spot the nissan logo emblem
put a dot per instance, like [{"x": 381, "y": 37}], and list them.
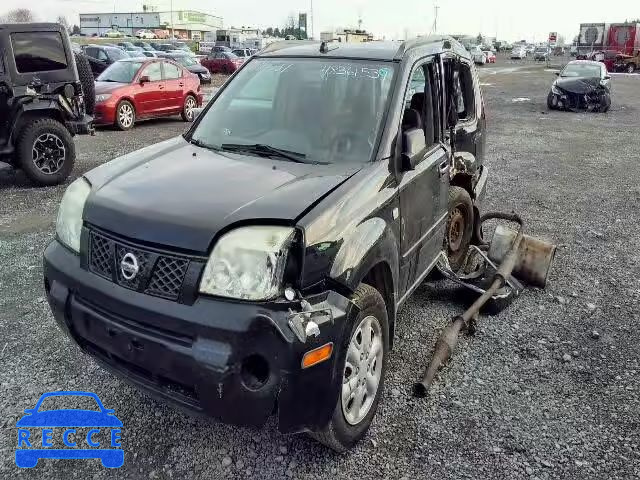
[{"x": 129, "y": 266}]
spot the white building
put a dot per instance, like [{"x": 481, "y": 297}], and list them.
[{"x": 186, "y": 24}]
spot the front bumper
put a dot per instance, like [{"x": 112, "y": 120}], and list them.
[
  {"x": 104, "y": 114},
  {"x": 81, "y": 126},
  {"x": 238, "y": 362}
]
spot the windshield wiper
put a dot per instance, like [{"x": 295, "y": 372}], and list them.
[
  {"x": 263, "y": 149},
  {"x": 201, "y": 144}
]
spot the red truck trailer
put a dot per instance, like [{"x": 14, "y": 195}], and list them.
[
  {"x": 593, "y": 36},
  {"x": 624, "y": 38}
]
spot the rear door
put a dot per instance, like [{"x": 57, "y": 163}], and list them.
[
  {"x": 150, "y": 96},
  {"x": 174, "y": 86},
  {"x": 423, "y": 208}
]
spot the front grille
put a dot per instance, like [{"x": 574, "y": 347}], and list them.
[{"x": 159, "y": 274}]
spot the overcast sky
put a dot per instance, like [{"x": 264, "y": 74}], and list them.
[{"x": 509, "y": 20}]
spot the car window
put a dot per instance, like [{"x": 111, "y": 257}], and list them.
[
  {"x": 101, "y": 55},
  {"x": 38, "y": 51},
  {"x": 122, "y": 72},
  {"x": 230, "y": 55},
  {"x": 69, "y": 402},
  {"x": 330, "y": 110},
  {"x": 421, "y": 103},
  {"x": 466, "y": 94},
  {"x": 172, "y": 71},
  {"x": 115, "y": 54},
  {"x": 153, "y": 71}
]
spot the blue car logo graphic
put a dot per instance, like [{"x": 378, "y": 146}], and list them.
[{"x": 34, "y": 446}]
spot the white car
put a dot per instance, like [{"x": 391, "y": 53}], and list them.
[
  {"x": 145, "y": 34},
  {"x": 518, "y": 52},
  {"x": 478, "y": 56}
]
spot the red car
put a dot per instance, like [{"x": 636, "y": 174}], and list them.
[
  {"x": 222, "y": 62},
  {"x": 491, "y": 57},
  {"x": 139, "y": 88}
]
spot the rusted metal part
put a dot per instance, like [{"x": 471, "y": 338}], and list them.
[
  {"x": 534, "y": 256},
  {"x": 449, "y": 338}
]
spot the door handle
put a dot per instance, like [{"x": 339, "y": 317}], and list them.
[
  {"x": 444, "y": 167},
  {"x": 160, "y": 87},
  {"x": 181, "y": 84}
]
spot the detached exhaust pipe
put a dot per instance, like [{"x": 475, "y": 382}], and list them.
[{"x": 448, "y": 340}]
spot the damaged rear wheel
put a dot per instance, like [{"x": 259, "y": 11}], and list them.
[{"x": 459, "y": 227}]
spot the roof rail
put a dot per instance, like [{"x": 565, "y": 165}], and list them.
[
  {"x": 446, "y": 41},
  {"x": 282, "y": 44}
]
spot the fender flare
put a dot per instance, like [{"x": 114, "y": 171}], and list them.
[{"x": 372, "y": 242}]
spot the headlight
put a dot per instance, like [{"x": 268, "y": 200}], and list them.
[
  {"x": 555, "y": 90},
  {"x": 69, "y": 223},
  {"x": 248, "y": 263},
  {"x": 103, "y": 97}
]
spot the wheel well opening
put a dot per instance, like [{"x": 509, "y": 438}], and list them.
[
  {"x": 380, "y": 278},
  {"x": 465, "y": 181},
  {"x": 32, "y": 115}
]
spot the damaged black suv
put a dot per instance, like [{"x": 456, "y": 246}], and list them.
[
  {"x": 256, "y": 265},
  {"x": 46, "y": 96}
]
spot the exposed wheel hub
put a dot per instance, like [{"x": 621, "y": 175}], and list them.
[
  {"x": 456, "y": 230},
  {"x": 48, "y": 153}
]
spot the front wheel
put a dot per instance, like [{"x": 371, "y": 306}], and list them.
[
  {"x": 125, "y": 115},
  {"x": 190, "y": 104},
  {"x": 631, "y": 68},
  {"x": 46, "y": 152},
  {"x": 363, "y": 361}
]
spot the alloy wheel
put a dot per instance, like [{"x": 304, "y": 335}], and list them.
[
  {"x": 48, "y": 153},
  {"x": 189, "y": 105},
  {"x": 362, "y": 370},
  {"x": 125, "y": 115}
]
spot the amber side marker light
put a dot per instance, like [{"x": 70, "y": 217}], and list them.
[{"x": 317, "y": 355}]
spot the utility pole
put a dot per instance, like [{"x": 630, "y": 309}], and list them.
[
  {"x": 312, "y": 19},
  {"x": 171, "y": 13},
  {"x": 435, "y": 17}
]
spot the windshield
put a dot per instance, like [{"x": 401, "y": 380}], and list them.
[
  {"x": 581, "y": 70},
  {"x": 122, "y": 72},
  {"x": 187, "y": 61},
  {"x": 326, "y": 111}
]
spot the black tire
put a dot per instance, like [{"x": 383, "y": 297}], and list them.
[
  {"x": 59, "y": 135},
  {"x": 88, "y": 83},
  {"x": 631, "y": 68},
  {"x": 459, "y": 227},
  {"x": 123, "y": 124},
  {"x": 339, "y": 434},
  {"x": 549, "y": 101},
  {"x": 187, "y": 113},
  {"x": 606, "y": 103}
]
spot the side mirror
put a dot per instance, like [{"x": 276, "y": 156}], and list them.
[
  {"x": 557, "y": 74},
  {"x": 144, "y": 79},
  {"x": 413, "y": 144},
  {"x": 607, "y": 77}
]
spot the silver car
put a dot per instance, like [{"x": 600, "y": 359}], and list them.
[{"x": 518, "y": 52}]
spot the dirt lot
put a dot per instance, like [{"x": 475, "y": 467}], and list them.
[{"x": 549, "y": 388}]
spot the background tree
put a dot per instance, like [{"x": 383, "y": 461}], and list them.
[
  {"x": 270, "y": 31},
  {"x": 75, "y": 30},
  {"x": 277, "y": 33},
  {"x": 18, "y": 15},
  {"x": 479, "y": 38}
]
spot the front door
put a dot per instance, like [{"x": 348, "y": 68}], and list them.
[
  {"x": 150, "y": 95},
  {"x": 423, "y": 210}
]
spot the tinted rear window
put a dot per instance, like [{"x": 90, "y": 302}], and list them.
[{"x": 38, "y": 51}]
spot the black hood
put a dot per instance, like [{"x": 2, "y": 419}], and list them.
[
  {"x": 197, "y": 69},
  {"x": 577, "y": 84},
  {"x": 176, "y": 194}
]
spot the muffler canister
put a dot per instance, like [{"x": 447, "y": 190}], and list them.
[{"x": 534, "y": 256}]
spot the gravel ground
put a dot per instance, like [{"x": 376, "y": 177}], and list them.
[{"x": 549, "y": 388}]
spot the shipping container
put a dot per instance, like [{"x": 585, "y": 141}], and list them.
[
  {"x": 624, "y": 38},
  {"x": 593, "y": 34}
]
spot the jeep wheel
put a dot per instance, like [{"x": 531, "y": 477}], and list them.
[
  {"x": 362, "y": 356},
  {"x": 631, "y": 68},
  {"x": 187, "y": 110},
  {"x": 46, "y": 152},
  {"x": 88, "y": 84},
  {"x": 125, "y": 115},
  {"x": 459, "y": 227}
]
